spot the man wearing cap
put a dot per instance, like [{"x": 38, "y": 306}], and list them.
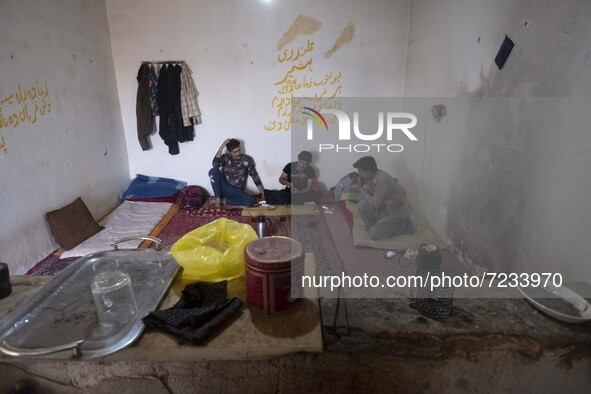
[
  {"x": 229, "y": 174},
  {"x": 383, "y": 201}
]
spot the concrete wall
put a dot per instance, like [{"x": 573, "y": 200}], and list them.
[
  {"x": 505, "y": 179},
  {"x": 237, "y": 51},
  {"x": 60, "y": 125}
]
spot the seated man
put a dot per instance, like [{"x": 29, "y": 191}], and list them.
[
  {"x": 229, "y": 174},
  {"x": 298, "y": 177},
  {"x": 383, "y": 201}
]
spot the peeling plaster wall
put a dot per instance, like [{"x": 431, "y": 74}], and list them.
[
  {"x": 76, "y": 146},
  {"x": 233, "y": 48},
  {"x": 504, "y": 179}
]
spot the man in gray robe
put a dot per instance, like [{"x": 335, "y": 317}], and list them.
[{"x": 383, "y": 201}]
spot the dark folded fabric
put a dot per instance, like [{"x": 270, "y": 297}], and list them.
[
  {"x": 278, "y": 197},
  {"x": 196, "y": 317}
]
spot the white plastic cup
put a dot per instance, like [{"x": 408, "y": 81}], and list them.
[{"x": 114, "y": 298}]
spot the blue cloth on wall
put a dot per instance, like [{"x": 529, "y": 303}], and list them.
[{"x": 143, "y": 186}]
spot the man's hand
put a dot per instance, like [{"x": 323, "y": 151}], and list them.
[
  {"x": 262, "y": 191},
  {"x": 394, "y": 203},
  {"x": 221, "y": 148}
]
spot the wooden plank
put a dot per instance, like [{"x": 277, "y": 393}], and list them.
[{"x": 280, "y": 210}]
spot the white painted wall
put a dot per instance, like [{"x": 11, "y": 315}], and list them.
[
  {"x": 231, "y": 46},
  {"x": 77, "y": 148},
  {"x": 496, "y": 180},
  {"x": 505, "y": 180}
]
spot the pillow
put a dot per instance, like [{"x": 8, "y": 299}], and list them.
[
  {"x": 72, "y": 224},
  {"x": 192, "y": 198},
  {"x": 143, "y": 186}
]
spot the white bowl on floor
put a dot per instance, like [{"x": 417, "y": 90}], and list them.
[{"x": 566, "y": 295}]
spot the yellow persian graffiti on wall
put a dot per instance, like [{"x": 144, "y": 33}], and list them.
[
  {"x": 24, "y": 105},
  {"x": 299, "y": 78}
]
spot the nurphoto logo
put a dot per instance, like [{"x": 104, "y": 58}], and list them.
[{"x": 395, "y": 122}]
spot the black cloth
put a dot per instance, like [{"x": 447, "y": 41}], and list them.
[
  {"x": 278, "y": 197},
  {"x": 164, "y": 106},
  {"x": 195, "y": 318},
  {"x": 172, "y": 130},
  {"x": 146, "y": 124}
]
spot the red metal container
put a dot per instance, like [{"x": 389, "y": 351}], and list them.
[{"x": 272, "y": 265}]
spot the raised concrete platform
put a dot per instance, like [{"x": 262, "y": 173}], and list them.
[{"x": 491, "y": 345}]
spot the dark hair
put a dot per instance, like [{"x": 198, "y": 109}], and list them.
[
  {"x": 232, "y": 144},
  {"x": 366, "y": 163},
  {"x": 305, "y": 156}
]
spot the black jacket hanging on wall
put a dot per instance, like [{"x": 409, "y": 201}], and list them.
[
  {"x": 146, "y": 124},
  {"x": 171, "y": 127}
]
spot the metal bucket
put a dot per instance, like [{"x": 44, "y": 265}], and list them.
[{"x": 273, "y": 267}]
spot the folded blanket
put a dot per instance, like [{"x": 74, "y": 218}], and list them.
[{"x": 423, "y": 234}]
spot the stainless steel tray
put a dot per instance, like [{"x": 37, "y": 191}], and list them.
[{"x": 60, "y": 321}]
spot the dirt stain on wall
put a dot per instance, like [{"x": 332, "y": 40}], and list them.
[
  {"x": 303, "y": 25},
  {"x": 346, "y": 36}
]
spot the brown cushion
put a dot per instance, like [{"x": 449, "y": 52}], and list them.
[{"x": 72, "y": 224}]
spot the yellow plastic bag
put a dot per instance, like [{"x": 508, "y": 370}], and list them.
[{"x": 214, "y": 251}]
